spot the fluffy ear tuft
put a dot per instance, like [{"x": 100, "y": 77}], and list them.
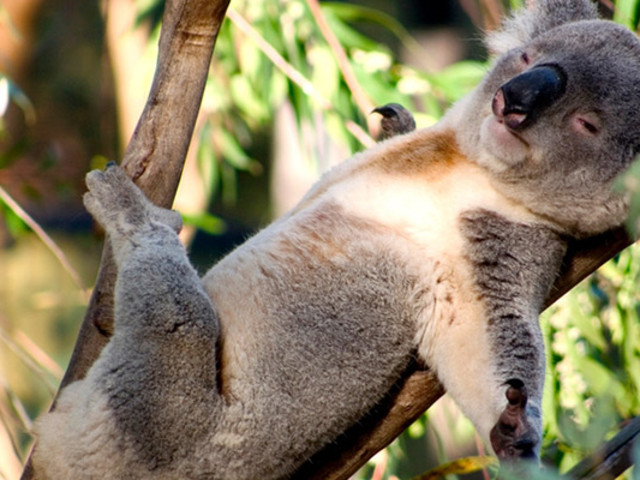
[{"x": 538, "y": 17}]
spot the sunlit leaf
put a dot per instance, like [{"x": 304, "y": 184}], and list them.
[
  {"x": 625, "y": 12},
  {"x": 326, "y": 74},
  {"x": 4, "y": 94},
  {"x": 247, "y": 98},
  {"x": 234, "y": 153},
  {"x": 206, "y": 222}
]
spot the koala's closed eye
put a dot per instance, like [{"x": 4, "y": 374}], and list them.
[{"x": 588, "y": 124}]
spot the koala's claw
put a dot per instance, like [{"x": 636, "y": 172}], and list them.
[
  {"x": 513, "y": 437},
  {"x": 119, "y": 205}
]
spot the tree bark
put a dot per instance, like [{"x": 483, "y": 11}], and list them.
[
  {"x": 155, "y": 155},
  {"x": 612, "y": 458},
  {"x": 154, "y": 159}
]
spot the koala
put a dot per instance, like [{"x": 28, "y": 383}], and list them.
[{"x": 437, "y": 245}]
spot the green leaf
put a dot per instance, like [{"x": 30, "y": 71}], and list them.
[
  {"x": 206, "y": 222},
  {"x": 630, "y": 182},
  {"x": 347, "y": 36},
  {"x": 207, "y": 162},
  {"x": 379, "y": 87},
  {"x": 625, "y": 13},
  {"x": 233, "y": 152},
  {"x": 458, "y": 79},
  {"x": 248, "y": 100},
  {"x": 600, "y": 379},
  {"x": 351, "y": 13},
  {"x": 326, "y": 75},
  {"x": 14, "y": 223}
]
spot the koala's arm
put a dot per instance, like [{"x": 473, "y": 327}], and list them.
[
  {"x": 155, "y": 380},
  {"x": 513, "y": 266}
]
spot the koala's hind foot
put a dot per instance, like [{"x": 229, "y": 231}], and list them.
[
  {"x": 120, "y": 206},
  {"x": 514, "y": 437}
]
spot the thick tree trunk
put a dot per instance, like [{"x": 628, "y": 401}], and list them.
[{"x": 154, "y": 159}]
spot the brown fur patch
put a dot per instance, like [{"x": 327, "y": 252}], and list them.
[
  {"x": 325, "y": 233},
  {"x": 429, "y": 153}
]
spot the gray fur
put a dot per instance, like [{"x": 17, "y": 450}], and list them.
[
  {"x": 440, "y": 245},
  {"x": 514, "y": 266}
]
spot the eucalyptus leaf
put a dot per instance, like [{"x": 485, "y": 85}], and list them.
[
  {"x": 233, "y": 153},
  {"x": 351, "y": 12},
  {"x": 206, "y": 222},
  {"x": 626, "y": 12}
]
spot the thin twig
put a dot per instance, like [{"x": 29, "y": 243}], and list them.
[
  {"x": 30, "y": 362},
  {"x": 11, "y": 434},
  {"x": 360, "y": 97},
  {"x": 492, "y": 12},
  {"x": 38, "y": 355},
  {"x": 46, "y": 239},
  {"x": 18, "y": 407},
  {"x": 611, "y": 458}
]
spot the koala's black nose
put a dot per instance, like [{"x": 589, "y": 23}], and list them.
[{"x": 528, "y": 94}]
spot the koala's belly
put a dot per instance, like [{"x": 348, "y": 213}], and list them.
[{"x": 317, "y": 323}]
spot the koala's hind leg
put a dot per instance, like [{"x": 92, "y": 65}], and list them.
[{"x": 158, "y": 371}]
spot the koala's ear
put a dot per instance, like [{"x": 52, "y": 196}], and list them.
[{"x": 538, "y": 17}]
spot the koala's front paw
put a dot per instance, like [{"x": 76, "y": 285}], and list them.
[
  {"x": 119, "y": 205},
  {"x": 514, "y": 437}
]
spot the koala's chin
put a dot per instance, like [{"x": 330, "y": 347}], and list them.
[{"x": 501, "y": 147}]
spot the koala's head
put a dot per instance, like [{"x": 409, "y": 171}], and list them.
[{"x": 558, "y": 116}]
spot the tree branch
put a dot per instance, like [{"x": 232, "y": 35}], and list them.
[
  {"x": 156, "y": 153},
  {"x": 612, "y": 458}
]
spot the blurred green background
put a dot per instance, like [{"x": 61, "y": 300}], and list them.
[{"x": 289, "y": 95}]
